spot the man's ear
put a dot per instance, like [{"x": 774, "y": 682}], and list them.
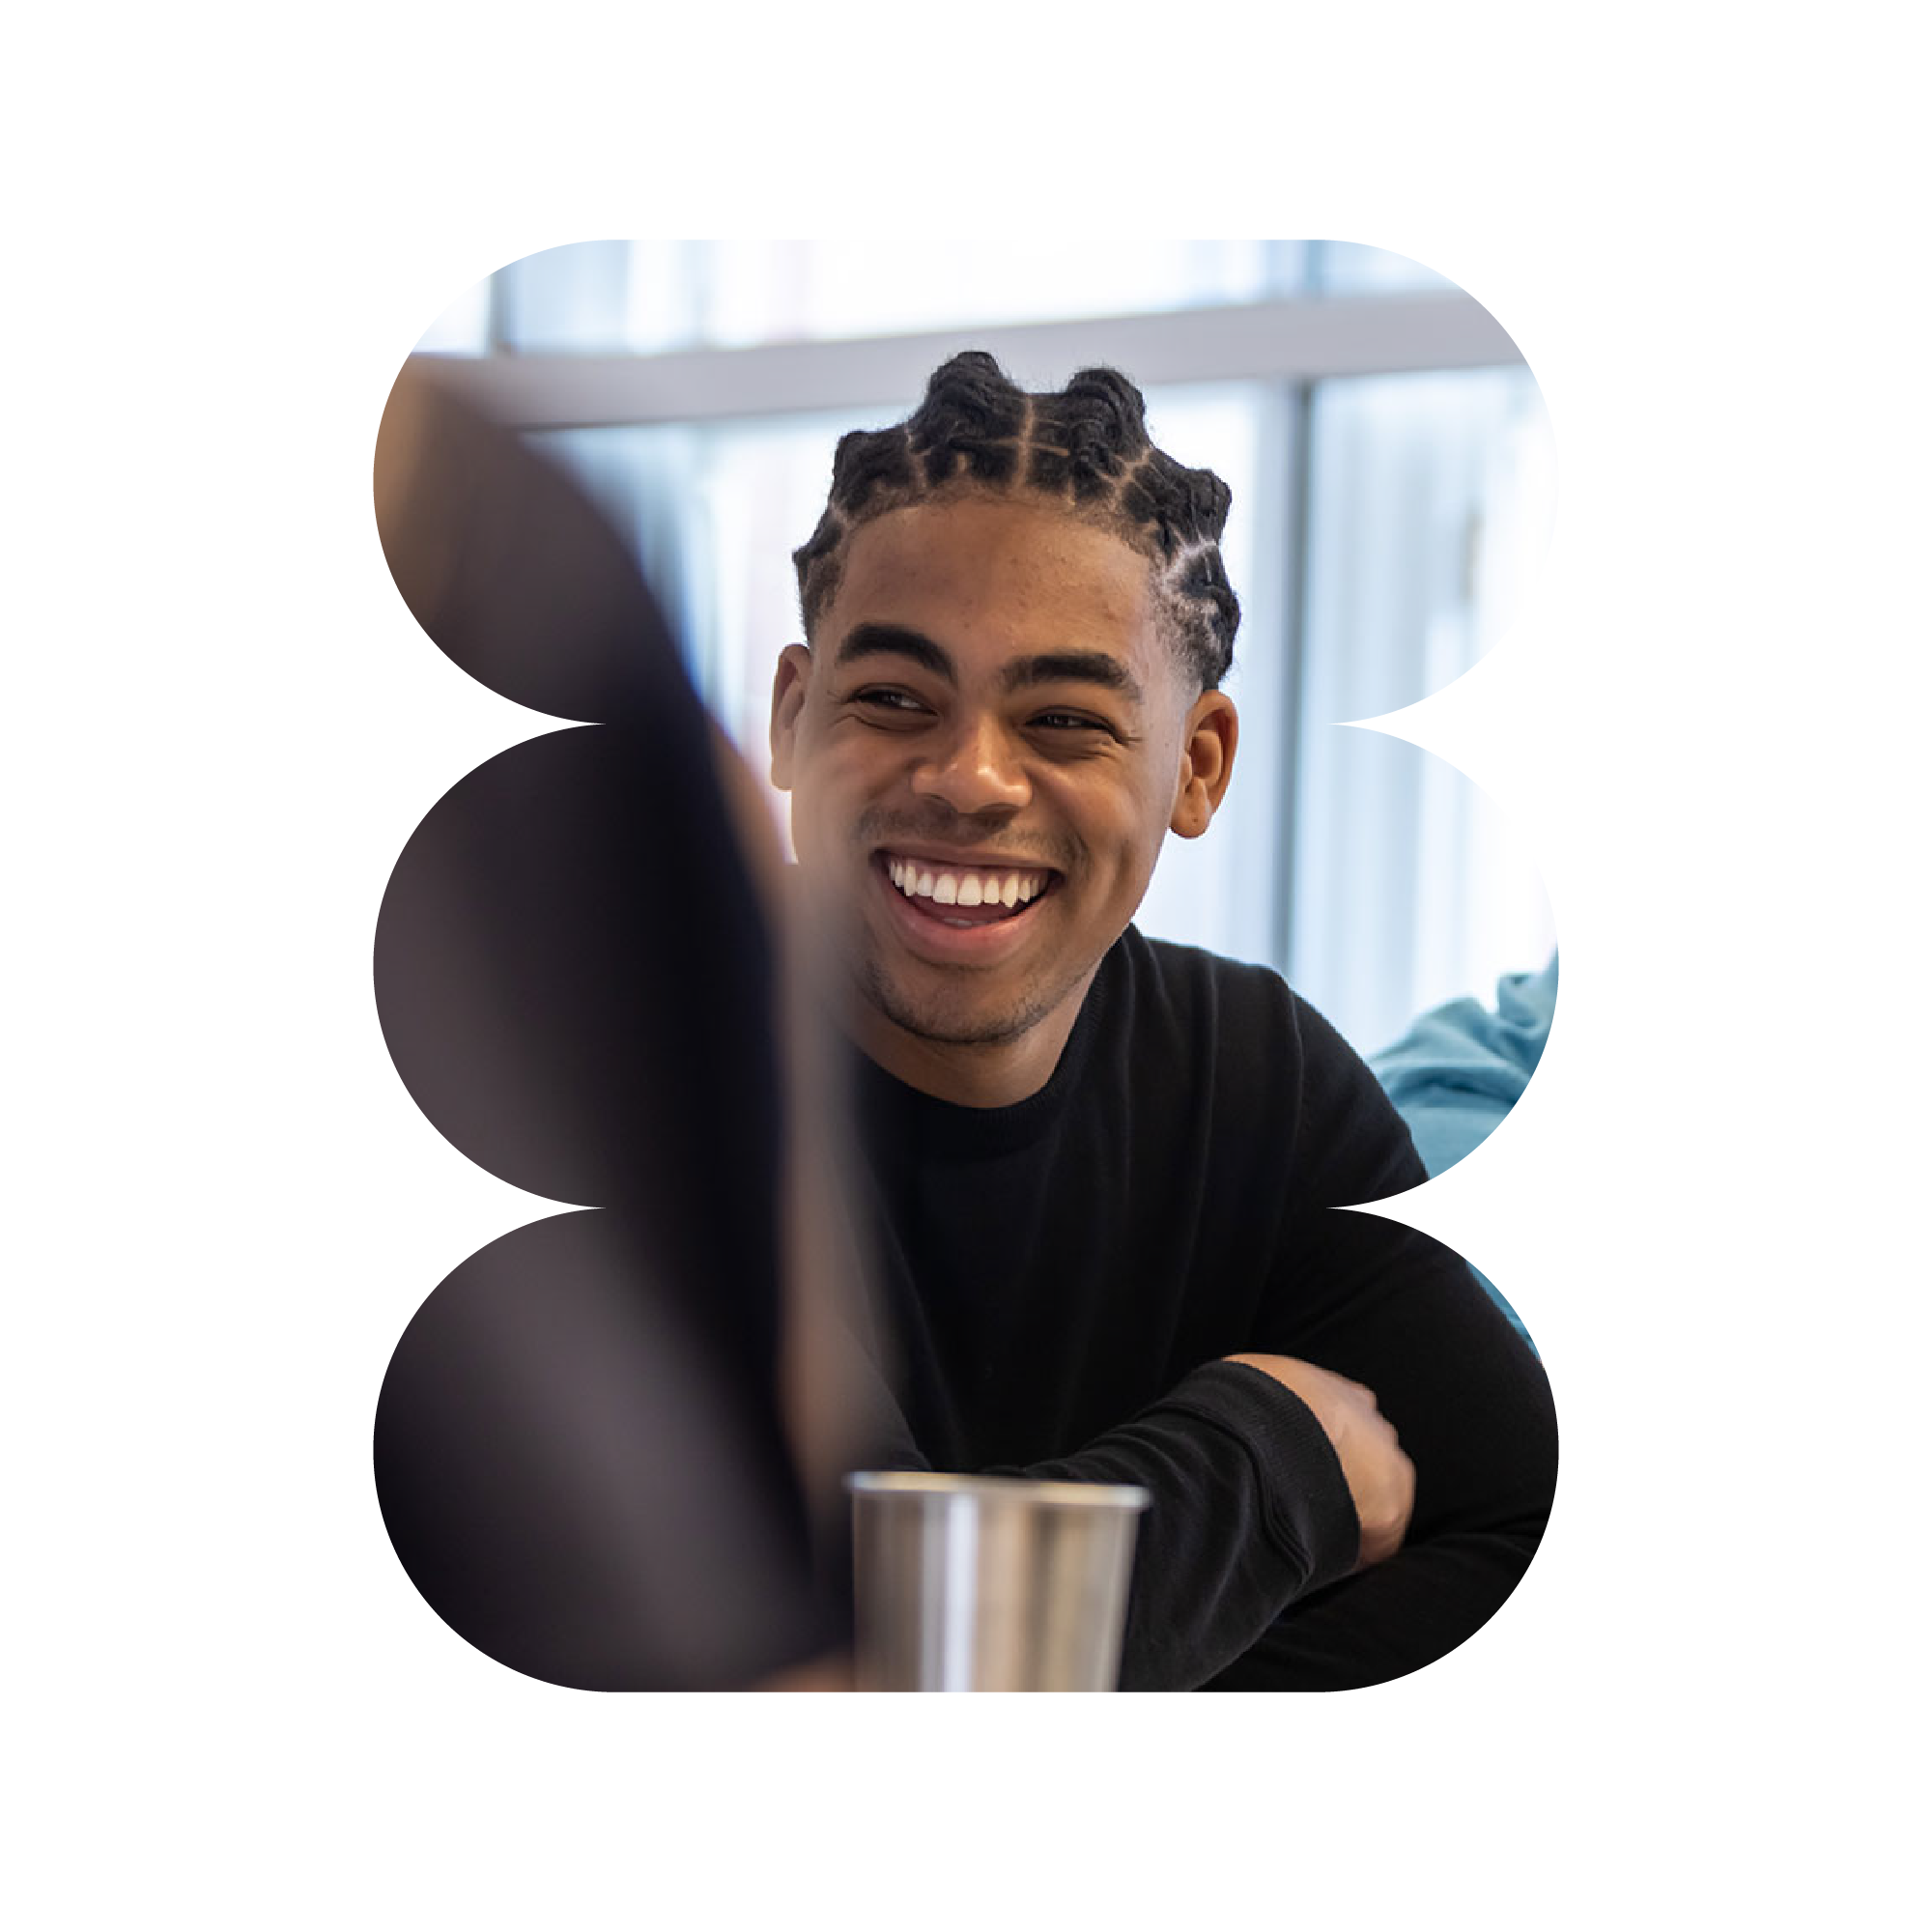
[
  {"x": 1206, "y": 762},
  {"x": 789, "y": 689}
]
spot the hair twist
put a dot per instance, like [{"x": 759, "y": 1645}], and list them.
[{"x": 1084, "y": 447}]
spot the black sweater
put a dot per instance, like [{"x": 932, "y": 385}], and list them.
[{"x": 1060, "y": 1278}]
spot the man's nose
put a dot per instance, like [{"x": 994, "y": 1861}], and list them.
[{"x": 977, "y": 769}]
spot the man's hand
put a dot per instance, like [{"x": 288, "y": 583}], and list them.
[{"x": 1381, "y": 1479}]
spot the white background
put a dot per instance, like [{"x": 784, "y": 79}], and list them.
[{"x": 228, "y": 1706}]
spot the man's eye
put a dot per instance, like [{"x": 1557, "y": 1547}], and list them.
[
  {"x": 1067, "y": 720},
  {"x": 888, "y": 700}
]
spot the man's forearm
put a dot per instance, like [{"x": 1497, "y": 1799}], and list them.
[{"x": 1250, "y": 1512}]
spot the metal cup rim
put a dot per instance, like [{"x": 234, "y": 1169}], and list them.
[{"x": 921, "y": 1483}]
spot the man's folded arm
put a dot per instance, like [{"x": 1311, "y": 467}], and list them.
[
  {"x": 1471, "y": 1406},
  {"x": 1250, "y": 1511},
  {"x": 1384, "y": 1305}
]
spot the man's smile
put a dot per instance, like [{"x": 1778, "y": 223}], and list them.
[
  {"x": 963, "y": 893},
  {"x": 949, "y": 912}
]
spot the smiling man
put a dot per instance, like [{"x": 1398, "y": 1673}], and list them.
[
  {"x": 992, "y": 752},
  {"x": 1104, "y": 1171}
]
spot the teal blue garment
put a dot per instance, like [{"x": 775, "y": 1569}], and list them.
[{"x": 1461, "y": 1067}]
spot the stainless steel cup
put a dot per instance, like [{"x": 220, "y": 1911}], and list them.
[{"x": 990, "y": 1583}]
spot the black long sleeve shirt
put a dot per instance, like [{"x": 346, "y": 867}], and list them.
[{"x": 1061, "y": 1278}]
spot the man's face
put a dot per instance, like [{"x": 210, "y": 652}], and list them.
[{"x": 986, "y": 748}]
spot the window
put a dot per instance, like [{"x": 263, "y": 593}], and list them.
[{"x": 1393, "y": 481}]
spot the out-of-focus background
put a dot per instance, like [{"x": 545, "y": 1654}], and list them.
[{"x": 1393, "y": 477}]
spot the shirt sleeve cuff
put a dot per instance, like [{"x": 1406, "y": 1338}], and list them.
[{"x": 1306, "y": 1509}]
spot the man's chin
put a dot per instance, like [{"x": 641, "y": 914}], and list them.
[
  {"x": 953, "y": 1029},
  {"x": 950, "y": 1022}
]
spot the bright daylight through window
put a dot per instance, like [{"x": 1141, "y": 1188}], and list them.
[{"x": 1392, "y": 471}]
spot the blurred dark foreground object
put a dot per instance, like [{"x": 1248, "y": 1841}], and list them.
[
  {"x": 578, "y": 1485},
  {"x": 596, "y": 1451}
]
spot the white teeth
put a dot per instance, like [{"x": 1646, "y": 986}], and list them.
[{"x": 965, "y": 889}]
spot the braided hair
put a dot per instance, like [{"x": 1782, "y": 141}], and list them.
[{"x": 1084, "y": 447}]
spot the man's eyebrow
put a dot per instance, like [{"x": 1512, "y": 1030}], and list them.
[
  {"x": 883, "y": 640},
  {"x": 1072, "y": 667},
  {"x": 878, "y": 640}
]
